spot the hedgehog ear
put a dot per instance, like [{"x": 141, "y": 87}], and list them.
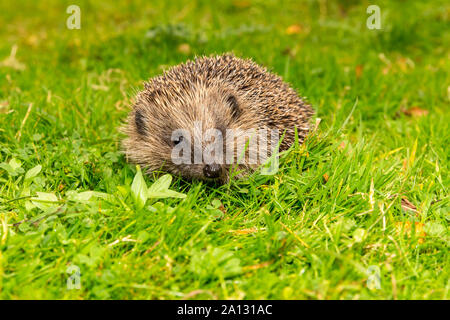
[
  {"x": 139, "y": 121},
  {"x": 234, "y": 105}
]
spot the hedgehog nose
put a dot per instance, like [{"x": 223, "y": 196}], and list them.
[{"x": 212, "y": 170}]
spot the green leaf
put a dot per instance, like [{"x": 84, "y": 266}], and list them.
[
  {"x": 85, "y": 196},
  {"x": 29, "y": 206},
  {"x": 7, "y": 168},
  {"x": 434, "y": 229},
  {"x": 143, "y": 236},
  {"x": 214, "y": 209},
  {"x": 24, "y": 227},
  {"x": 139, "y": 189},
  {"x": 162, "y": 184},
  {"x": 15, "y": 164},
  {"x": 33, "y": 172},
  {"x": 160, "y": 189},
  {"x": 45, "y": 201},
  {"x": 13, "y": 167},
  {"x": 216, "y": 203},
  {"x": 166, "y": 194},
  {"x": 358, "y": 234}
]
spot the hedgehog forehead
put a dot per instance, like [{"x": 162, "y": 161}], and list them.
[{"x": 205, "y": 104}]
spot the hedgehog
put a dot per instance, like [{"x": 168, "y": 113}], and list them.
[{"x": 197, "y": 119}]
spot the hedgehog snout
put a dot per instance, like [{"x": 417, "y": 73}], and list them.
[{"x": 212, "y": 171}]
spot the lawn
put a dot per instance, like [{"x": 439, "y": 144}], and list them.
[{"x": 359, "y": 211}]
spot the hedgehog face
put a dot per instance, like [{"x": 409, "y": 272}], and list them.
[{"x": 187, "y": 134}]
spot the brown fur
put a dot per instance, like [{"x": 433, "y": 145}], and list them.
[{"x": 203, "y": 90}]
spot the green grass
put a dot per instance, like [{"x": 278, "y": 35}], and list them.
[{"x": 312, "y": 231}]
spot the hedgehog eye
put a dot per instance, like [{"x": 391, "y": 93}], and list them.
[
  {"x": 177, "y": 140},
  {"x": 232, "y": 102},
  {"x": 139, "y": 122}
]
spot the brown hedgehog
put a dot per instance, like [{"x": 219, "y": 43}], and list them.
[{"x": 217, "y": 95}]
